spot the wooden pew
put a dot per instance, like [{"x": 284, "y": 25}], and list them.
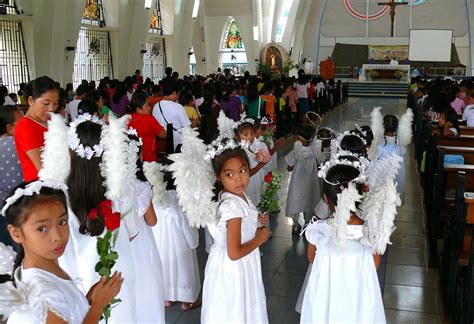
[
  {"x": 457, "y": 273},
  {"x": 446, "y": 179},
  {"x": 464, "y": 130}
]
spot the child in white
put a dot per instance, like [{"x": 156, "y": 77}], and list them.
[
  {"x": 343, "y": 285},
  {"x": 37, "y": 220},
  {"x": 303, "y": 191},
  {"x": 233, "y": 288},
  {"x": 177, "y": 243}
]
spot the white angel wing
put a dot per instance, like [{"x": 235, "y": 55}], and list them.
[
  {"x": 376, "y": 123},
  {"x": 55, "y": 158},
  {"x": 194, "y": 180},
  {"x": 225, "y": 125},
  {"x": 7, "y": 259},
  {"x": 13, "y": 300},
  {"x": 155, "y": 176},
  {"x": 404, "y": 132},
  {"x": 114, "y": 166},
  {"x": 345, "y": 204},
  {"x": 381, "y": 170}
]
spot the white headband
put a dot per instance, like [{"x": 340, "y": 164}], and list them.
[
  {"x": 32, "y": 189},
  {"x": 85, "y": 152},
  {"x": 217, "y": 147}
]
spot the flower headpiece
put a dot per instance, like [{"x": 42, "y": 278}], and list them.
[
  {"x": 31, "y": 189},
  {"x": 359, "y": 129},
  {"x": 347, "y": 133},
  {"x": 75, "y": 144},
  {"x": 338, "y": 159},
  {"x": 221, "y": 144},
  {"x": 244, "y": 119},
  {"x": 327, "y": 138},
  {"x": 266, "y": 121}
]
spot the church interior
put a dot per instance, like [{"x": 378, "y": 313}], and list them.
[{"x": 245, "y": 161}]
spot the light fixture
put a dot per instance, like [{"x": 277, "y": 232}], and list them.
[
  {"x": 148, "y": 4},
  {"x": 195, "y": 8},
  {"x": 255, "y": 33}
]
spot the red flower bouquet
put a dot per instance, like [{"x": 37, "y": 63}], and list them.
[
  {"x": 272, "y": 185},
  {"x": 105, "y": 245}
]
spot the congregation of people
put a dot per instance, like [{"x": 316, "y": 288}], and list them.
[{"x": 153, "y": 162}]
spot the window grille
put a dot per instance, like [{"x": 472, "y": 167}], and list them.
[{"x": 154, "y": 60}]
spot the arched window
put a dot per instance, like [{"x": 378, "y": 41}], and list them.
[
  {"x": 13, "y": 62},
  {"x": 232, "y": 51},
  {"x": 93, "y": 59},
  {"x": 282, "y": 19}
]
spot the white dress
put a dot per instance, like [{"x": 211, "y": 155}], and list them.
[
  {"x": 177, "y": 243},
  {"x": 390, "y": 147},
  {"x": 79, "y": 260},
  {"x": 149, "y": 285},
  {"x": 343, "y": 286},
  {"x": 45, "y": 291},
  {"x": 303, "y": 191},
  {"x": 233, "y": 290},
  {"x": 254, "y": 188}
]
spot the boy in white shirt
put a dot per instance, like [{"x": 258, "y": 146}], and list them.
[{"x": 468, "y": 114}]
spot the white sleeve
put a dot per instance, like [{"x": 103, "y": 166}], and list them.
[
  {"x": 228, "y": 210},
  {"x": 290, "y": 158},
  {"x": 183, "y": 118},
  {"x": 44, "y": 296},
  {"x": 464, "y": 114}
]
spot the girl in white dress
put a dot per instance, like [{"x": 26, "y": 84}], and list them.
[
  {"x": 233, "y": 288},
  {"x": 303, "y": 191},
  {"x": 38, "y": 221},
  {"x": 258, "y": 157},
  {"x": 343, "y": 286},
  {"x": 177, "y": 243}
]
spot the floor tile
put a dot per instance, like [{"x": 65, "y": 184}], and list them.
[
  {"x": 294, "y": 264},
  {"x": 281, "y": 310},
  {"x": 409, "y": 217},
  {"x": 418, "y": 299},
  {"x": 409, "y": 228},
  {"x": 189, "y": 318},
  {"x": 395, "y": 316},
  {"x": 415, "y": 257},
  {"x": 285, "y": 285},
  {"x": 271, "y": 261},
  {"x": 279, "y": 245},
  {"x": 411, "y": 275},
  {"x": 407, "y": 241},
  {"x": 172, "y": 315}
]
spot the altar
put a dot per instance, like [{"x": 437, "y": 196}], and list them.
[{"x": 385, "y": 71}]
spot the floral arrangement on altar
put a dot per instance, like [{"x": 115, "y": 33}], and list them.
[
  {"x": 400, "y": 74},
  {"x": 268, "y": 202},
  {"x": 105, "y": 246},
  {"x": 372, "y": 74}
]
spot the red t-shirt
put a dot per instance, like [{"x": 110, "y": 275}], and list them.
[
  {"x": 148, "y": 129},
  {"x": 29, "y": 135}
]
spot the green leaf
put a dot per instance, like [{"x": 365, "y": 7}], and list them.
[
  {"x": 104, "y": 272},
  {"x": 116, "y": 300},
  {"x": 112, "y": 256},
  {"x": 98, "y": 266}
]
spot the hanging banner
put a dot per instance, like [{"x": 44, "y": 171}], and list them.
[{"x": 388, "y": 52}]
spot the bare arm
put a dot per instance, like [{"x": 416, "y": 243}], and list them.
[
  {"x": 35, "y": 157},
  {"x": 237, "y": 250},
  {"x": 311, "y": 252},
  {"x": 150, "y": 216},
  {"x": 377, "y": 260},
  {"x": 257, "y": 168}
]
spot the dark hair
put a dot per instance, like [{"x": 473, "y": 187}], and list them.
[
  {"x": 87, "y": 107},
  {"x": 168, "y": 71},
  {"x": 252, "y": 92},
  {"x": 120, "y": 91},
  {"x": 353, "y": 144},
  {"x": 243, "y": 126},
  {"x": 169, "y": 88},
  {"x": 369, "y": 135},
  {"x": 140, "y": 174},
  {"x": 82, "y": 89},
  {"x": 7, "y": 117},
  {"x": 3, "y": 91},
  {"x": 325, "y": 135},
  {"x": 219, "y": 161},
  {"x": 339, "y": 177},
  {"x": 94, "y": 96},
  {"x": 390, "y": 123},
  {"x": 18, "y": 212},
  {"x": 305, "y": 131},
  {"x": 137, "y": 102},
  {"x": 449, "y": 114},
  {"x": 85, "y": 181},
  {"x": 40, "y": 86},
  {"x": 185, "y": 98}
]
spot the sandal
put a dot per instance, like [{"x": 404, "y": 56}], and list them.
[{"x": 189, "y": 306}]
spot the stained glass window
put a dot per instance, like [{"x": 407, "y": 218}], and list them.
[
  {"x": 156, "y": 24},
  {"x": 93, "y": 13},
  {"x": 282, "y": 19},
  {"x": 232, "y": 52},
  {"x": 154, "y": 60},
  {"x": 13, "y": 63},
  {"x": 233, "y": 39},
  {"x": 93, "y": 60}
]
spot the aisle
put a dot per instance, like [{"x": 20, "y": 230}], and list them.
[{"x": 410, "y": 288}]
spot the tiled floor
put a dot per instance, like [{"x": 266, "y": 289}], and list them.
[{"x": 410, "y": 288}]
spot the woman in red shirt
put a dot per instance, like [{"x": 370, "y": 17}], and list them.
[
  {"x": 43, "y": 96},
  {"x": 146, "y": 125}
]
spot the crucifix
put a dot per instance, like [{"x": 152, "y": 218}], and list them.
[{"x": 392, "y": 5}]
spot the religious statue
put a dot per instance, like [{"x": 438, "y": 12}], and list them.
[
  {"x": 154, "y": 20},
  {"x": 91, "y": 10},
  {"x": 233, "y": 39},
  {"x": 274, "y": 66}
]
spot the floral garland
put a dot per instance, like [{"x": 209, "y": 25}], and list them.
[
  {"x": 85, "y": 152},
  {"x": 105, "y": 246}
]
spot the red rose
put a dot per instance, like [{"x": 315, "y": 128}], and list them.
[
  {"x": 112, "y": 221},
  {"x": 105, "y": 207},
  {"x": 92, "y": 214},
  {"x": 268, "y": 177}
]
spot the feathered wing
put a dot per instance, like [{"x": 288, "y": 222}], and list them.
[
  {"x": 154, "y": 175},
  {"x": 345, "y": 204},
  {"x": 114, "y": 166},
  {"x": 55, "y": 157},
  {"x": 380, "y": 204},
  {"x": 404, "y": 132},
  {"x": 376, "y": 122},
  {"x": 194, "y": 180},
  {"x": 225, "y": 125}
]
